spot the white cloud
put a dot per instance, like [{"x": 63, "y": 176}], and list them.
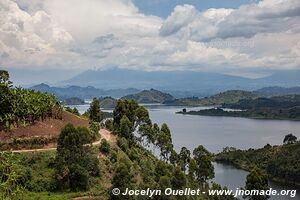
[{"x": 101, "y": 33}]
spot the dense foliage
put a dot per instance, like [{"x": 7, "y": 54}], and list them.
[
  {"x": 272, "y": 102},
  {"x": 257, "y": 180},
  {"x": 259, "y": 113},
  {"x": 74, "y": 162},
  {"x": 20, "y": 107},
  {"x": 280, "y": 162}
]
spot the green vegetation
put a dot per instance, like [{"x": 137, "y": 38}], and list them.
[
  {"x": 94, "y": 111},
  {"x": 74, "y": 163},
  {"x": 227, "y": 97},
  {"x": 290, "y": 139},
  {"x": 78, "y": 169},
  {"x": 276, "y": 102},
  {"x": 21, "y": 107},
  {"x": 281, "y": 163},
  {"x": 73, "y": 110},
  {"x": 263, "y": 113},
  {"x": 27, "y": 143},
  {"x": 104, "y": 146},
  {"x": 257, "y": 180},
  {"x": 150, "y": 96}
]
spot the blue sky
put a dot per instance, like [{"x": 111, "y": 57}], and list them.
[{"x": 163, "y": 8}]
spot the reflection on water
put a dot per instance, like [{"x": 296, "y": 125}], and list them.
[{"x": 218, "y": 132}]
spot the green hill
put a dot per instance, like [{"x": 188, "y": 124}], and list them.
[
  {"x": 108, "y": 102},
  {"x": 280, "y": 162},
  {"x": 150, "y": 96},
  {"x": 227, "y": 97}
]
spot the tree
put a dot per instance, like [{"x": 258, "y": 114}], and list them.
[
  {"x": 178, "y": 179},
  {"x": 104, "y": 146},
  {"x": 125, "y": 129},
  {"x": 164, "y": 183},
  {"x": 290, "y": 139},
  {"x": 74, "y": 161},
  {"x": 95, "y": 113},
  {"x": 192, "y": 172},
  {"x": 164, "y": 142},
  {"x": 184, "y": 156},
  {"x": 205, "y": 168},
  {"x": 94, "y": 130},
  {"x": 122, "y": 179},
  {"x": 174, "y": 157},
  {"x": 257, "y": 180},
  {"x": 124, "y": 108}
]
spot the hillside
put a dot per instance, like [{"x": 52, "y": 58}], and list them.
[
  {"x": 48, "y": 128},
  {"x": 280, "y": 162},
  {"x": 108, "y": 102},
  {"x": 87, "y": 92},
  {"x": 287, "y": 101},
  {"x": 150, "y": 96},
  {"x": 230, "y": 96},
  {"x": 277, "y": 91}
]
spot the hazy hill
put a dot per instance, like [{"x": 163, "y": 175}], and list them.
[
  {"x": 150, "y": 96},
  {"x": 192, "y": 81},
  {"x": 227, "y": 97},
  {"x": 82, "y": 92},
  {"x": 287, "y": 101},
  {"x": 204, "y": 82},
  {"x": 278, "y": 91}
]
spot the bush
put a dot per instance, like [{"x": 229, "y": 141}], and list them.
[{"x": 104, "y": 146}]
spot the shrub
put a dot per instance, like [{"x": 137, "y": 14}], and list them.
[{"x": 104, "y": 146}]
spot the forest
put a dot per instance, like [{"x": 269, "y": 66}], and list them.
[{"x": 280, "y": 162}]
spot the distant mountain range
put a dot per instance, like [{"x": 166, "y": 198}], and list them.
[
  {"x": 108, "y": 97},
  {"x": 175, "y": 82},
  {"x": 277, "y": 91},
  {"x": 228, "y": 97},
  {"x": 82, "y": 92}
]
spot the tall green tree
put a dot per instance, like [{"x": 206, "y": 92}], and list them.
[
  {"x": 257, "y": 180},
  {"x": 122, "y": 179},
  {"x": 205, "y": 168},
  {"x": 178, "y": 179},
  {"x": 74, "y": 162},
  {"x": 184, "y": 156},
  {"x": 94, "y": 111}
]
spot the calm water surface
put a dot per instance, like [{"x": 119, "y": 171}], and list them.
[{"x": 215, "y": 133}]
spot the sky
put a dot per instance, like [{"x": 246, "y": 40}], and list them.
[{"x": 242, "y": 37}]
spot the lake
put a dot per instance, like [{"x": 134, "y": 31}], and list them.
[{"x": 215, "y": 133}]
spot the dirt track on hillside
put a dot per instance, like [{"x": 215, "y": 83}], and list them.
[
  {"x": 47, "y": 128},
  {"x": 103, "y": 132}
]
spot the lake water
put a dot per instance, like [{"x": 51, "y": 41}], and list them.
[{"x": 218, "y": 132}]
